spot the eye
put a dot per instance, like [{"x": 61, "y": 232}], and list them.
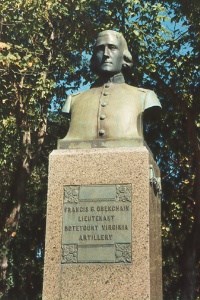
[{"x": 112, "y": 47}]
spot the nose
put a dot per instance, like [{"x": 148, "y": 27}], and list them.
[{"x": 106, "y": 51}]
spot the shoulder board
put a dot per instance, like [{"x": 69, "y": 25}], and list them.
[
  {"x": 144, "y": 90},
  {"x": 76, "y": 94}
]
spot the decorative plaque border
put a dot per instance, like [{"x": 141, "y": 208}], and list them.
[{"x": 120, "y": 248}]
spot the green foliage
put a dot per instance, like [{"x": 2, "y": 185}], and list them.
[{"x": 44, "y": 54}]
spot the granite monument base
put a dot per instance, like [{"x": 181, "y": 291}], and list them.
[{"x": 103, "y": 237}]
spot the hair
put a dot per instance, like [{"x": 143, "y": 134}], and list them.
[{"x": 128, "y": 60}]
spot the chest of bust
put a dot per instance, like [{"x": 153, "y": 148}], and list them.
[{"x": 112, "y": 111}]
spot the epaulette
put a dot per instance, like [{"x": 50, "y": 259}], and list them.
[
  {"x": 144, "y": 90},
  {"x": 76, "y": 94}
]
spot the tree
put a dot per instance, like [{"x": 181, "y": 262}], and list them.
[
  {"x": 35, "y": 56},
  {"x": 180, "y": 89},
  {"x": 44, "y": 48}
]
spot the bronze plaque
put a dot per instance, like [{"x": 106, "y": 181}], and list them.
[{"x": 97, "y": 224}]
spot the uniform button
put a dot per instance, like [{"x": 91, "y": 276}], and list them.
[
  {"x": 101, "y": 132},
  {"x": 103, "y": 104},
  {"x": 102, "y": 117},
  {"x": 105, "y": 94}
]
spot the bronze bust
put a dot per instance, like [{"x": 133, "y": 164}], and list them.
[{"x": 110, "y": 114}]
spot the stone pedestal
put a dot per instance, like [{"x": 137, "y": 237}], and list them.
[{"x": 103, "y": 236}]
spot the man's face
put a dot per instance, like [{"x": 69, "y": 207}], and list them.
[{"x": 108, "y": 55}]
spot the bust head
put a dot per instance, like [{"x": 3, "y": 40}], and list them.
[{"x": 111, "y": 55}]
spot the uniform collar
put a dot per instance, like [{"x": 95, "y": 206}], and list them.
[{"x": 117, "y": 78}]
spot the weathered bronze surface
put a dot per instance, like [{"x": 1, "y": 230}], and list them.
[
  {"x": 111, "y": 110},
  {"x": 97, "y": 224}
]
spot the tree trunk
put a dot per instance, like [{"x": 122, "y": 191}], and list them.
[{"x": 18, "y": 196}]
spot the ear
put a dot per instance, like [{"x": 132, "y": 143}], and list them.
[
  {"x": 127, "y": 65},
  {"x": 127, "y": 61}
]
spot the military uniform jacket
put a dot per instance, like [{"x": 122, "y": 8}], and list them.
[{"x": 111, "y": 111}]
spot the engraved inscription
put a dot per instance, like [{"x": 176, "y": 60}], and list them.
[{"x": 97, "y": 225}]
